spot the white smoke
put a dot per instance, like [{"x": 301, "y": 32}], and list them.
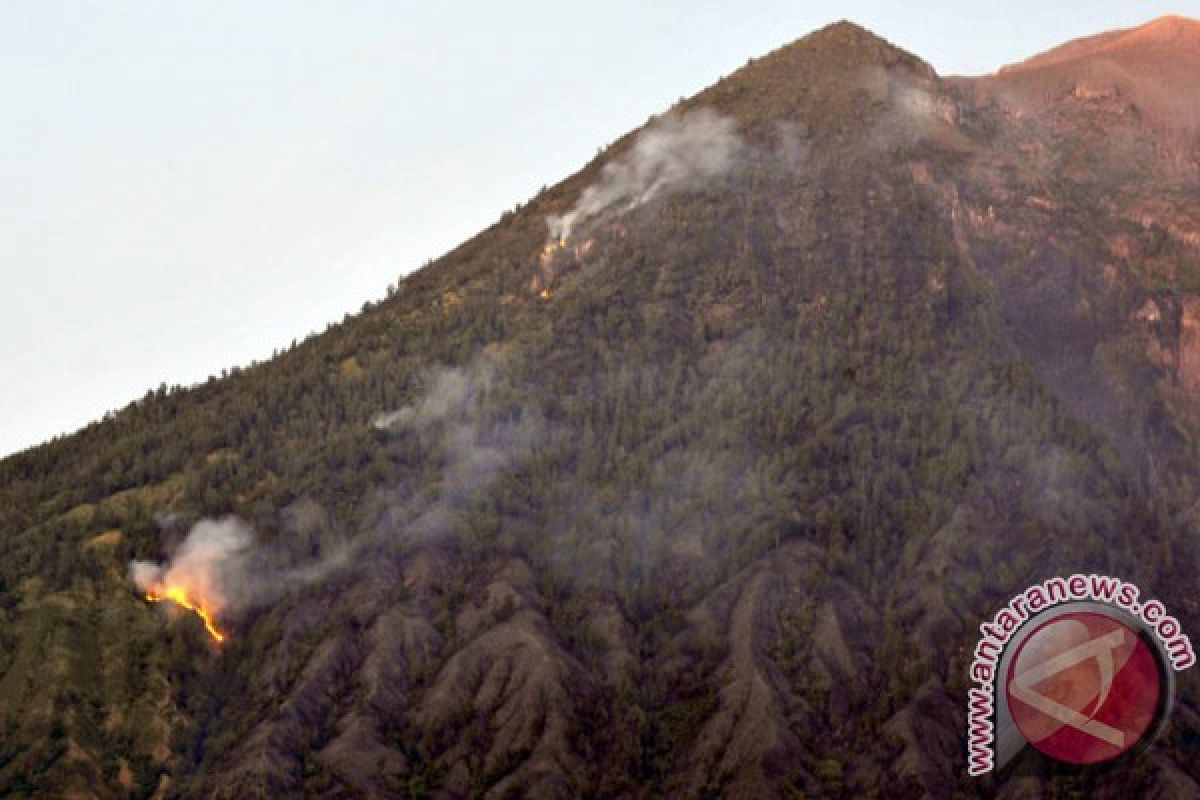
[
  {"x": 675, "y": 153},
  {"x": 386, "y": 420},
  {"x": 916, "y": 102},
  {"x": 450, "y": 392},
  {"x": 222, "y": 567},
  {"x": 915, "y": 107},
  {"x": 206, "y": 562},
  {"x": 790, "y": 149},
  {"x": 475, "y": 448}
]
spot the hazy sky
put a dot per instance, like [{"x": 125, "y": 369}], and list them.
[{"x": 186, "y": 186}]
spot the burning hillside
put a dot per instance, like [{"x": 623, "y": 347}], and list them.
[
  {"x": 198, "y": 576},
  {"x": 179, "y": 596},
  {"x": 838, "y": 374}
]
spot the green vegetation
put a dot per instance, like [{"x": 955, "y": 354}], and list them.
[{"x": 753, "y": 475}]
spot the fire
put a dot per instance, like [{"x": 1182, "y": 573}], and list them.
[
  {"x": 179, "y": 596},
  {"x": 551, "y": 248},
  {"x": 539, "y": 287},
  {"x": 551, "y": 263}
]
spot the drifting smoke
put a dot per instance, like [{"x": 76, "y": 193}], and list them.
[
  {"x": 914, "y": 106},
  {"x": 451, "y": 392},
  {"x": 386, "y": 420},
  {"x": 676, "y": 153},
  {"x": 220, "y": 567},
  {"x": 790, "y": 149},
  {"x": 475, "y": 447},
  {"x": 197, "y": 577}
]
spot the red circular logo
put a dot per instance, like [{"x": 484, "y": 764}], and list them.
[{"x": 1083, "y": 688}]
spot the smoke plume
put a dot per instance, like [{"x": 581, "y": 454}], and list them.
[
  {"x": 675, "y": 153},
  {"x": 915, "y": 108},
  {"x": 220, "y": 566},
  {"x": 203, "y": 566},
  {"x": 475, "y": 446}
]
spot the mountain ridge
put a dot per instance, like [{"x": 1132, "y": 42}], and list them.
[
  {"x": 1150, "y": 70},
  {"x": 1170, "y": 29},
  {"x": 717, "y": 514}
]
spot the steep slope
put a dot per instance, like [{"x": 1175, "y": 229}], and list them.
[{"x": 691, "y": 477}]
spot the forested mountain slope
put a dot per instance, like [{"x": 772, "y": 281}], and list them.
[{"x": 692, "y": 477}]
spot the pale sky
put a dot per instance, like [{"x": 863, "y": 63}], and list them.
[{"x": 186, "y": 186}]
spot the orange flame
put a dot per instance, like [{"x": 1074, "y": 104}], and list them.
[
  {"x": 179, "y": 596},
  {"x": 547, "y": 259},
  {"x": 551, "y": 248}
]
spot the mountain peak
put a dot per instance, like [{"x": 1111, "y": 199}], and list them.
[
  {"x": 846, "y": 41},
  {"x": 1154, "y": 68},
  {"x": 613, "y": 513},
  {"x": 817, "y": 78},
  {"x": 1171, "y": 30},
  {"x": 1168, "y": 36},
  {"x": 1173, "y": 23},
  {"x": 845, "y": 27},
  {"x": 839, "y": 46}
]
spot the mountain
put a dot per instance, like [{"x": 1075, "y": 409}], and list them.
[
  {"x": 694, "y": 476},
  {"x": 1153, "y": 71},
  {"x": 1153, "y": 44}
]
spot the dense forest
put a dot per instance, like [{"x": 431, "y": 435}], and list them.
[{"x": 716, "y": 514}]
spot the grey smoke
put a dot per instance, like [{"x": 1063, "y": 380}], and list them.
[
  {"x": 914, "y": 106},
  {"x": 676, "y": 152},
  {"x": 476, "y": 447},
  {"x": 205, "y": 562},
  {"x": 223, "y": 564},
  {"x": 450, "y": 392},
  {"x": 790, "y": 146},
  {"x": 386, "y": 420}
]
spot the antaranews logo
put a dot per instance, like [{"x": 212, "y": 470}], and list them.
[{"x": 1077, "y": 667}]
